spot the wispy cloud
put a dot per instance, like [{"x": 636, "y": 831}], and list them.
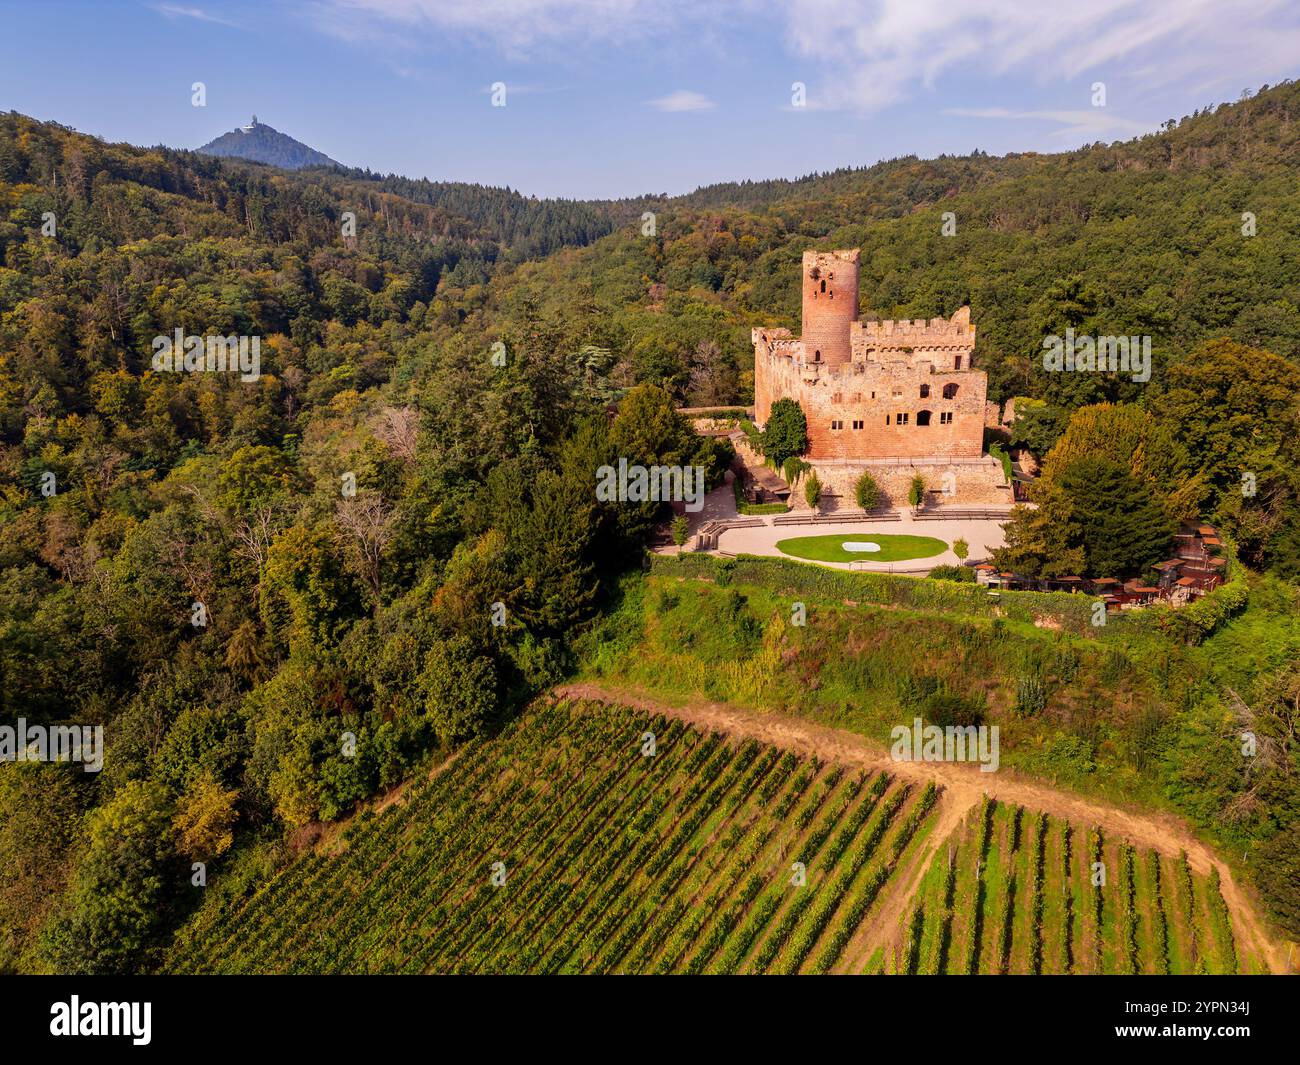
[
  {"x": 682, "y": 100},
  {"x": 1073, "y": 124},
  {"x": 517, "y": 27},
  {"x": 872, "y": 54},
  {"x": 175, "y": 11},
  {"x": 884, "y": 51}
]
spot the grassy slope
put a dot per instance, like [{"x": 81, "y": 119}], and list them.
[{"x": 1131, "y": 715}]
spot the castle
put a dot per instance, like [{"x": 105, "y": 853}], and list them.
[{"x": 879, "y": 395}]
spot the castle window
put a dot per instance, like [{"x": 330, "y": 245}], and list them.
[
  {"x": 950, "y": 391},
  {"x": 945, "y": 418},
  {"x": 956, "y": 362},
  {"x": 923, "y": 417},
  {"x": 858, "y": 424},
  {"x": 925, "y": 391},
  {"x": 873, "y": 395},
  {"x": 837, "y": 425},
  {"x": 897, "y": 392},
  {"x": 817, "y": 356},
  {"x": 838, "y": 397},
  {"x": 886, "y": 419},
  {"x": 823, "y": 286},
  {"x": 901, "y": 418}
]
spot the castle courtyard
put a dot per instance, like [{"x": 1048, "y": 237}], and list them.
[{"x": 982, "y": 536}]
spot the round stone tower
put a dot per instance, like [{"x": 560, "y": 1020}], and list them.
[{"x": 830, "y": 303}]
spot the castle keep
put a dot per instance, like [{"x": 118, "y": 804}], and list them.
[
  {"x": 877, "y": 394},
  {"x": 871, "y": 390}
]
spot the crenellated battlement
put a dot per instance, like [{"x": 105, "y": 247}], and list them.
[{"x": 918, "y": 328}]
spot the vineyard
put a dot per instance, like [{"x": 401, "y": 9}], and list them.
[
  {"x": 1049, "y": 897},
  {"x": 596, "y": 839}
]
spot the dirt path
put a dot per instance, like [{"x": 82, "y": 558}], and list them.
[
  {"x": 964, "y": 785},
  {"x": 884, "y": 926}
]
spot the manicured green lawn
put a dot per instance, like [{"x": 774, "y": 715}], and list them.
[{"x": 892, "y": 548}]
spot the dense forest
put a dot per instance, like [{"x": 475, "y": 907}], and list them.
[{"x": 281, "y": 595}]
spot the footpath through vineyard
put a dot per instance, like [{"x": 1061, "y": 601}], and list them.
[{"x": 963, "y": 790}]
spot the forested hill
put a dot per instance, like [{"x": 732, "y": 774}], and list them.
[
  {"x": 349, "y": 521},
  {"x": 260, "y": 143},
  {"x": 527, "y": 226},
  {"x": 267, "y": 203},
  {"x": 1257, "y": 127},
  {"x": 224, "y": 572},
  {"x": 1144, "y": 236}
]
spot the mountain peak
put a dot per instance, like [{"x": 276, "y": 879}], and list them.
[{"x": 260, "y": 143}]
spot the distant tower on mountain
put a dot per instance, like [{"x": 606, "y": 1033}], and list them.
[{"x": 260, "y": 143}]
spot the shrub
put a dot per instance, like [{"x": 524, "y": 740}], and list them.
[
  {"x": 1031, "y": 696},
  {"x": 786, "y": 433},
  {"x": 867, "y": 492},
  {"x": 916, "y": 491},
  {"x": 948, "y": 708},
  {"x": 793, "y": 470},
  {"x": 953, "y": 573},
  {"x": 961, "y": 549},
  {"x": 812, "y": 491},
  {"x": 999, "y": 453}
]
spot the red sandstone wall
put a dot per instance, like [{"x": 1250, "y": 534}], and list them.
[{"x": 848, "y": 398}]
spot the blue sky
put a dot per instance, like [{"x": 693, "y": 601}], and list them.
[{"x": 621, "y": 97}]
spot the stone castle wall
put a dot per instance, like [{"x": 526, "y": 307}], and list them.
[
  {"x": 974, "y": 483},
  {"x": 872, "y": 390},
  {"x": 879, "y": 410}
]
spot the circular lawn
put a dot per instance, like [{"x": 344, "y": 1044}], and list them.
[{"x": 855, "y": 546}]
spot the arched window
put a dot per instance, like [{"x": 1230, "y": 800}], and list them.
[
  {"x": 817, "y": 356},
  {"x": 925, "y": 391},
  {"x": 949, "y": 391},
  {"x": 923, "y": 417}
]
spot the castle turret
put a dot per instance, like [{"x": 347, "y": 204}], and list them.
[{"x": 830, "y": 304}]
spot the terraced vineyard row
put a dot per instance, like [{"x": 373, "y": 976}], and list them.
[
  {"x": 1014, "y": 891},
  {"x": 562, "y": 846}
]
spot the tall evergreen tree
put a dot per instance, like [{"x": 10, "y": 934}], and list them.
[{"x": 1122, "y": 526}]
